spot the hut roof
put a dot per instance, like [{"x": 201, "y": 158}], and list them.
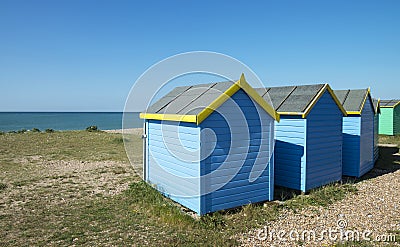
[
  {"x": 389, "y": 103},
  {"x": 196, "y": 103},
  {"x": 377, "y": 105},
  {"x": 297, "y": 100},
  {"x": 353, "y": 100}
]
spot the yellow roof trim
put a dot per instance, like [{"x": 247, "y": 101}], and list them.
[
  {"x": 319, "y": 95},
  {"x": 200, "y": 117},
  {"x": 363, "y": 103},
  {"x": 354, "y": 113},
  {"x": 393, "y": 106},
  {"x": 290, "y": 113},
  {"x": 257, "y": 98},
  {"x": 368, "y": 94},
  {"x": 217, "y": 103},
  {"x": 378, "y": 105},
  {"x": 169, "y": 117},
  {"x": 240, "y": 84}
]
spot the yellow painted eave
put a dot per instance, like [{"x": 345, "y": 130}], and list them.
[{"x": 169, "y": 117}]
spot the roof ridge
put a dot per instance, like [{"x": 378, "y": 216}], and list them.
[
  {"x": 365, "y": 99},
  {"x": 283, "y": 101},
  {"x": 174, "y": 98},
  {"x": 316, "y": 95}
]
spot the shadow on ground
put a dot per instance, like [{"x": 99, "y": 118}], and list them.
[{"x": 388, "y": 162}]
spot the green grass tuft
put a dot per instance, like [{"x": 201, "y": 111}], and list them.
[
  {"x": 322, "y": 196},
  {"x": 92, "y": 128},
  {"x": 3, "y": 186}
]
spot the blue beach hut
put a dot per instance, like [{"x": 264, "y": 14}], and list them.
[
  {"x": 209, "y": 147},
  {"x": 377, "y": 108},
  {"x": 308, "y": 149},
  {"x": 358, "y": 131}
]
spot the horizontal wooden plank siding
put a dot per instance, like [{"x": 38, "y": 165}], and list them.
[
  {"x": 386, "y": 121},
  {"x": 351, "y": 145},
  {"x": 324, "y": 143},
  {"x": 367, "y": 139},
  {"x": 376, "y": 137},
  {"x": 236, "y": 141},
  {"x": 290, "y": 153},
  {"x": 174, "y": 161}
]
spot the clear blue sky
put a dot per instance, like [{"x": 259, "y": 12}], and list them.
[{"x": 86, "y": 55}]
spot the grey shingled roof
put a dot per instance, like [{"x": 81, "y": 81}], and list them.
[
  {"x": 375, "y": 103},
  {"x": 351, "y": 99},
  {"x": 389, "y": 103},
  {"x": 293, "y": 99},
  {"x": 189, "y": 100}
]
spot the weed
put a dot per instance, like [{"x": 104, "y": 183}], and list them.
[
  {"x": 92, "y": 128},
  {"x": 322, "y": 196},
  {"x": 3, "y": 186},
  {"x": 118, "y": 140}
]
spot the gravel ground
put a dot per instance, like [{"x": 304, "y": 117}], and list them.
[
  {"x": 371, "y": 212},
  {"x": 136, "y": 131}
]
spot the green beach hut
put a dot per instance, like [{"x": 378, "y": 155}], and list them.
[{"x": 389, "y": 119}]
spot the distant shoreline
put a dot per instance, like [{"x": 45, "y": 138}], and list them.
[{"x": 62, "y": 121}]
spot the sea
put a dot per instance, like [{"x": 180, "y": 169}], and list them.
[{"x": 14, "y": 121}]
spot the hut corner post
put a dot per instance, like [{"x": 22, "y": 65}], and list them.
[{"x": 144, "y": 137}]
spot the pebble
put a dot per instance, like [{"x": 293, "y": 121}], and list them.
[{"x": 374, "y": 207}]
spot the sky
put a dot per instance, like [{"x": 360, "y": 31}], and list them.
[{"x": 86, "y": 55}]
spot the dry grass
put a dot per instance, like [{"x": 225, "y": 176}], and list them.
[{"x": 78, "y": 188}]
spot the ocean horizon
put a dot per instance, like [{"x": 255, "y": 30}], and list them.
[{"x": 14, "y": 121}]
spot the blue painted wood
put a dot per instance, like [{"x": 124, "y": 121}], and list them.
[
  {"x": 227, "y": 155},
  {"x": 290, "y": 153},
  {"x": 367, "y": 138},
  {"x": 244, "y": 149},
  {"x": 324, "y": 143},
  {"x": 308, "y": 151},
  {"x": 376, "y": 137},
  {"x": 174, "y": 161},
  {"x": 351, "y": 145},
  {"x": 359, "y": 142},
  {"x": 146, "y": 151}
]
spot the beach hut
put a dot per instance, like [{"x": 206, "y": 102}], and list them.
[
  {"x": 358, "y": 131},
  {"x": 308, "y": 149},
  {"x": 376, "y": 128},
  {"x": 209, "y": 147},
  {"x": 389, "y": 119}
]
